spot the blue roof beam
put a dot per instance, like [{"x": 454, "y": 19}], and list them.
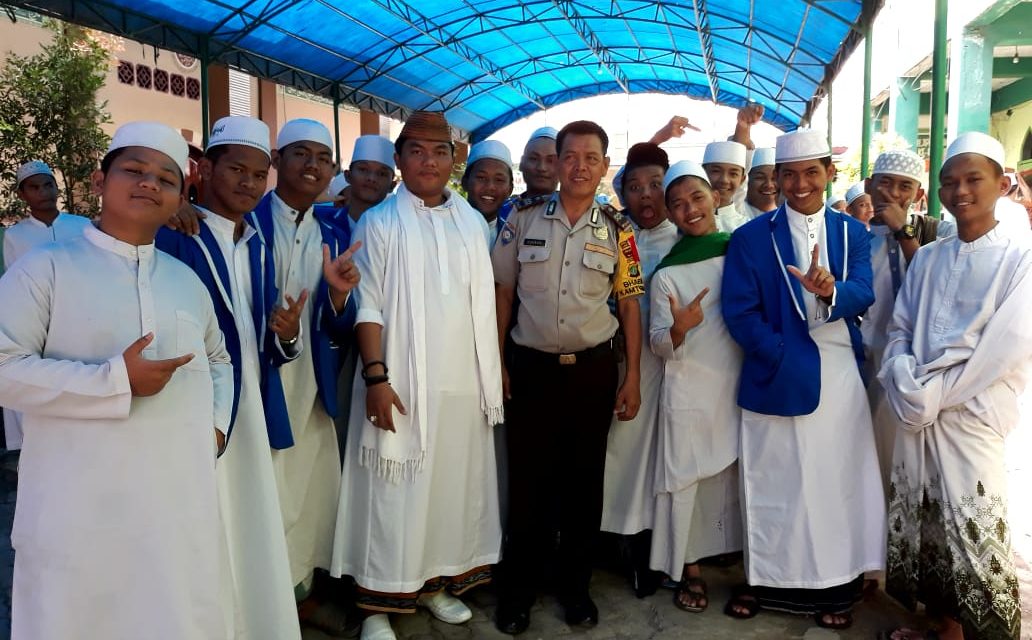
[
  {"x": 411, "y": 16},
  {"x": 702, "y": 28},
  {"x": 580, "y": 25}
]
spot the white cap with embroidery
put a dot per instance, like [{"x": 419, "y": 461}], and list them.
[
  {"x": 242, "y": 130},
  {"x": 33, "y": 168},
  {"x": 855, "y": 192},
  {"x": 900, "y": 162},
  {"x": 976, "y": 142},
  {"x": 153, "y": 135},
  {"x": 801, "y": 144}
]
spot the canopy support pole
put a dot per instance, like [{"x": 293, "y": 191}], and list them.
[
  {"x": 336, "y": 121},
  {"x": 935, "y": 142},
  {"x": 827, "y": 189},
  {"x": 205, "y": 94},
  {"x": 865, "y": 140}
]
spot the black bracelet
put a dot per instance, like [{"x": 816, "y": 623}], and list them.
[
  {"x": 372, "y": 381},
  {"x": 373, "y": 364}
]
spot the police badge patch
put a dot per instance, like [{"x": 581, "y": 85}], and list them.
[{"x": 508, "y": 234}]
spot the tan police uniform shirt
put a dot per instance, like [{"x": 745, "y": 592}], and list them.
[{"x": 565, "y": 275}]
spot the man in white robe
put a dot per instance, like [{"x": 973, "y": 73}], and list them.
[
  {"x": 224, "y": 255},
  {"x": 37, "y": 188},
  {"x": 725, "y": 164},
  {"x": 956, "y": 364},
  {"x": 795, "y": 281},
  {"x": 418, "y": 519},
  {"x": 628, "y": 498},
  {"x": 117, "y": 527},
  {"x": 697, "y": 512},
  {"x": 896, "y": 235}
]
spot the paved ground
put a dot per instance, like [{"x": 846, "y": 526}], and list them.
[{"x": 624, "y": 617}]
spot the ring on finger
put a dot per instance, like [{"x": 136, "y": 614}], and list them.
[{"x": 372, "y": 419}]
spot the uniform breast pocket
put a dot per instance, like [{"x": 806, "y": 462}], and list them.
[
  {"x": 534, "y": 267},
  {"x": 596, "y": 279},
  {"x": 190, "y": 339}
]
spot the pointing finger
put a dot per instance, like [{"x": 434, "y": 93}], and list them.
[
  {"x": 815, "y": 255},
  {"x": 174, "y": 363},
  {"x": 702, "y": 294},
  {"x": 351, "y": 251},
  {"x": 796, "y": 273},
  {"x": 302, "y": 299},
  {"x": 140, "y": 344},
  {"x": 326, "y": 256}
]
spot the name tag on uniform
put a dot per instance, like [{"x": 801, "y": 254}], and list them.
[
  {"x": 533, "y": 242},
  {"x": 597, "y": 248}
]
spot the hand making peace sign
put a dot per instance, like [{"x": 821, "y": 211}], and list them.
[{"x": 817, "y": 279}]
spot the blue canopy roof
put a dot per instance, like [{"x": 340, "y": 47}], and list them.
[{"x": 489, "y": 63}]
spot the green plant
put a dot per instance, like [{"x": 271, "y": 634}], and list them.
[{"x": 49, "y": 111}]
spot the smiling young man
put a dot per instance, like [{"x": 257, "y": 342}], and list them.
[
  {"x": 761, "y": 193},
  {"x": 858, "y": 203},
  {"x": 795, "y": 281},
  {"x": 488, "y": 180},
  {"x": 540, "y": 169},
  {"x": 957, "y": 361},
  {"x": 117, "y": 523},
  {"x": 418, "y": 521},
  {"x": 37, "y": 188},
  {"x": 725, "y": 164},
  {"x": 368, "y": 179},
  {"x": 564, "y": 256},
  {"x": 233, "y": 262}
]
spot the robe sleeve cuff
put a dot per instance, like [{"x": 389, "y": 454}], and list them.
[
  {"x": 369, "y": 315},
  {"x": 123, "y": 390}
]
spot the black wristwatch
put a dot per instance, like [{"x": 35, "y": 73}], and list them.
[{"x": 907, "y": 231}]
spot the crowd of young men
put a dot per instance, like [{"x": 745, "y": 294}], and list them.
[{"x": 227, "y": 406}]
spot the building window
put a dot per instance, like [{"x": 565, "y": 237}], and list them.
[
  {"x": 193, "y": 89},
  {"x": 126, "y": 72},
  {"x": 161, "y": 80},
  {"x": 177, "y": 85},
  {"x": 143, "y": 76}
]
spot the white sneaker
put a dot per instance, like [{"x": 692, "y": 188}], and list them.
[
  {"x": 446, "y": 608},
  {"x": 377, "y": 627}
]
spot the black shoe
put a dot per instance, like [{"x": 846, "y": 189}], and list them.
[
  {"x": 581, "y": 613},
  {"x": 512, "y": 619}
]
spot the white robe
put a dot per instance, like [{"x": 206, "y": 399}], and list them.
[
  {"x": 263, "y": 594},
  {"x": 729, "y": 218},
  {"x": 697, "y": 507},
  {"x": 875, "y": 328},
  {"x": 18, "y": 240},
  {"x": 116, "y": 528},
  {"x": 627, "y": 505},
  {"x": 444, "y": 519},
  {"x": 957, "y": 361},
  {"x": 813, "y": 507},
  {"x": 308, "y": 473}
]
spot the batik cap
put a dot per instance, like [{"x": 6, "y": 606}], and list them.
[
  {"x": 855, "y": 192},
  {"x": 375, "y": 149},
  {"x": 303, "y": 130},
  {"x": 242, "y": 130},
  {"x": 431, "y": 126},
  {"x": 681, "y": 169},
  {"x": 544, "y": 132},
  {"x": 489, "y": 149},
  {"x": 152, "y": 135},
  {"x": 726, "y": 152},
  {"x": 900, "y": 162},
  {"x": 32, "y": 168},
  {"x": 762, "y": 158},
  {"x": 802, "y": 144},
  {"x": 976, "y": 142}
]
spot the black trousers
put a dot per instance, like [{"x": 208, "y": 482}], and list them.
[{"x": 557, "y": 424}]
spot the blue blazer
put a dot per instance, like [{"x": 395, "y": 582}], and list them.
[
  {"x": 202, "y": 254},
  {"x": 765, "y": 312},
  {"x": 330, "y": 332}
]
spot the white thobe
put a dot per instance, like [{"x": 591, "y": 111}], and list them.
[
  {"x": 888, "y": 268},
  {"x": 444, "y": 520},
  {"x": 117, "y": 527},
  {"x": 814, "y": 511},
  {"x": 957, "y": 360},
  {"x": 18, "y": 240},
  {"x": 750, "y": 212},
  {"x": 729, "y": 218},
  {"x": 263, "y": 595},
  {"x": 1013, "y": 218},
  {"x": 627, "y": 505},
  {"x": 308, "y": 473},
  {"x": 696, "y": 481}
]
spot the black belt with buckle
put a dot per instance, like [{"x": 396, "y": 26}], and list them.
[{"x": 567, "y": 359}]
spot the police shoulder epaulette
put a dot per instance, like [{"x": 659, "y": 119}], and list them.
[
  {"x": 530, "y": 201},
  {"x": 622, "y": 222}
]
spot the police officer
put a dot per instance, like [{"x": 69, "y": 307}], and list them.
[{"x": 563, "y": 256}]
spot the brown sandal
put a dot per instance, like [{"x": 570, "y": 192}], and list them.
[{"x": 695, "y": 589}]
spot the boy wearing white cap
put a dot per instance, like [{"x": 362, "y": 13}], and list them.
[
  {"x": 725, "y": 164},
  {"x": 234, "y": 263},
  {"x": 858, "y": 204},
  {"x": 310, "y": 254},
  {"x": 370, "y": 175},
  {"x": 761, "y": 193},
  {"x": 795, "y": 282},
  {"x": 896, "y": 235},
  {"x": 488, "y": 180},
  {"x": 37, "y": 188},
  {"x": 117, "y": 524},
  {"x": 957, "y": 360}
]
